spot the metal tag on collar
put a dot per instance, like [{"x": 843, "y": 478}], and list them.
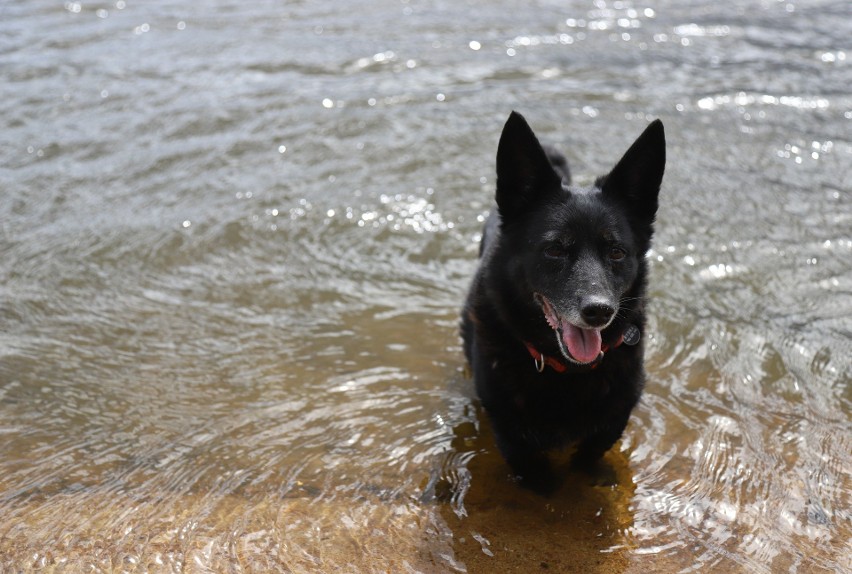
[{"x": 631, "y": 335}]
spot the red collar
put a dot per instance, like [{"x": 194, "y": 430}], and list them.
[{"x": 559, "y": 366}]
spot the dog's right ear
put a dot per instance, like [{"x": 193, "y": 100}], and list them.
[
  {"x": 524, "y": 173},
  {"x": 637, "y": 176}
]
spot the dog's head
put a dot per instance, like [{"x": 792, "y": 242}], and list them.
[{"x": 574, "y": 257}]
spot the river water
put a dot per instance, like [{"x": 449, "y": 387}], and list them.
[{"x": 235, "y": 237}]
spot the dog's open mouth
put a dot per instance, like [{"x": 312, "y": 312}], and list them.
[{"x": 579, "y": 345}]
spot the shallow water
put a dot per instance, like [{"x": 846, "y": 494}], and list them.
[{"x": 235, "y": 238}]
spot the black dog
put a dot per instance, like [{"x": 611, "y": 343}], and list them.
[{"x": 553, "y": 322}]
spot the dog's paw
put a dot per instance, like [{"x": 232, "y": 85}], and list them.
[
  {"x": 598, "y": 470},
  {"x": 543, "y": 484},
  {"x": 535, "y": 473}
]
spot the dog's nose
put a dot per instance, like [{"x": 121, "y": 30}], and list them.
[{"x": 597, "y": 313}]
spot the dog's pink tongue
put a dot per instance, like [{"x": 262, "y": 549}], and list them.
[{"x": 583, "y": 344}]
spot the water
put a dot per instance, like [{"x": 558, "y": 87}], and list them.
[{"x": 235, "y": 238}]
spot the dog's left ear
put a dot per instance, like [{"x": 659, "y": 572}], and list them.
[
  {"x": 637, "y": 176},
  {"x": 524, "y": 173}
]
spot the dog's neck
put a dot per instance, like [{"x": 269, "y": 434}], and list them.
[{"x": 560, "y": 366}]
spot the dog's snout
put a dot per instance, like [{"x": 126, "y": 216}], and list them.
[{"x": 597, "y": 313}]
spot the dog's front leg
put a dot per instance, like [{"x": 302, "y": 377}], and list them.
[
  {"x": 594, "y": 446},
  {"x": 519, "y": 447}
]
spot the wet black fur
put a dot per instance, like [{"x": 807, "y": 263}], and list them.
[{"x": 537, "y": 209}]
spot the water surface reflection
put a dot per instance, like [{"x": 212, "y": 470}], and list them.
[{"x": 235, "y": 238}]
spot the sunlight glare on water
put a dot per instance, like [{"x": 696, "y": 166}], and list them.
[{"x": 236, "y": 238}]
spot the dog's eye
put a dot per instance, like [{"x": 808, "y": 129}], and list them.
[
  {"x": 617, "y": 253},
  {"x": 555, "y": 251}
]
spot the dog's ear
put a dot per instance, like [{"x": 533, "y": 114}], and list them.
[
  {"x": 637, "y": 176},
  {"x": 524, "y": 173}
]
